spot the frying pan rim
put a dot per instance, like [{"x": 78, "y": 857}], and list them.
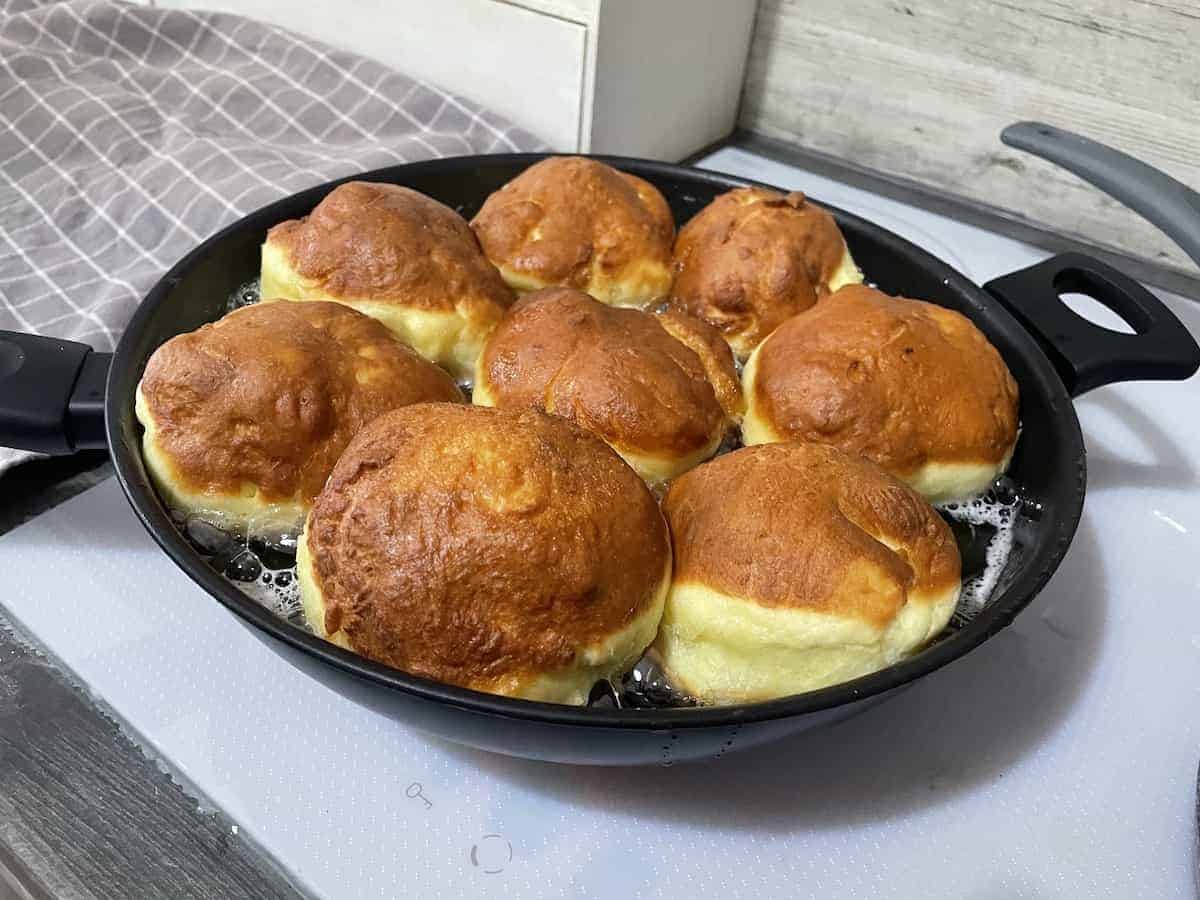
[{"x": 1053, "y": 539}]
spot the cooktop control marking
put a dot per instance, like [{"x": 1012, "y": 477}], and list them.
[
  {"x": 491, "y": 854},
  {"x": 413, "y": 792}
]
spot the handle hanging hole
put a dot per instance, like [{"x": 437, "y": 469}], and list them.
[{"x": 1087, "y": 307}]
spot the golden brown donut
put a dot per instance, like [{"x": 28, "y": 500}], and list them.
[
  {"x": 798, "y": 566},
  {"x": 507, "y": 552},
  {"x": 753, "y": 257},
  {"x": 620, "y": 373},
  {"x": 706, "y": 342},
  {"x": 912, "y": 386},
  {"x": 245, "y": 417},
  {"x": 398, "y": 256},
  {"x": 576, "y": 222}
]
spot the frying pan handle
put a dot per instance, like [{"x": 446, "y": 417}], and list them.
[
  {"x": 1154, "y": 195},
  {"x": 51, "y": 394},
  {"x": 1086, "y": 355}
]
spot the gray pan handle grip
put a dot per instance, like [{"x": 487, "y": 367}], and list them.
[{"x": 1154, "y": 195}]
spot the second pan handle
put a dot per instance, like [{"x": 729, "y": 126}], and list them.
[
  {"x": 1086, "y": 355},
  {"x": 51, "y": 394},
  {"x": 1154, "y": 195}
]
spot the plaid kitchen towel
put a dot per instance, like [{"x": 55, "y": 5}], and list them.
[{"x": 128, "y": 134}]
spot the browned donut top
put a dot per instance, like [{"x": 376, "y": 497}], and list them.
[
  {"x": 383, "y": 242},
  {"x": 565, "y": 215},
  {"x": 272, "y": 393},
  {"x": 751, "y": 259},
  {"x": 616, "y": 372},
  {"x": 806, "y": 526},
  {"x": 706, "y": 342},
  {"x": 899, "y": 381},
  {"x": 472, "y": 545}
]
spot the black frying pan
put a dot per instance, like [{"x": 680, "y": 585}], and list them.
[{"x": 53, "y": 398}]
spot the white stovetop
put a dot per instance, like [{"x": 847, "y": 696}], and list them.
[{"x": 1058, "y": 760}]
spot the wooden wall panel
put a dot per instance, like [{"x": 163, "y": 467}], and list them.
[{"x": 922, "y": 88}]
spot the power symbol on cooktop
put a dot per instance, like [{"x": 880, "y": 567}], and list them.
[{"x": 491, "y": 854}]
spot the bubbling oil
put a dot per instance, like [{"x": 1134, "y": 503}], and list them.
[
  {"x": 988, "y": 529},
  {"x": 245, "y": 294},
  {"x": 991, "y": 532},
  {"x": 261, "y": 564}
]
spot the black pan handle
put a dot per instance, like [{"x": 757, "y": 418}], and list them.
[
  {"x": 1086, "y": 355},
  {"x": 51, "y": 394}
]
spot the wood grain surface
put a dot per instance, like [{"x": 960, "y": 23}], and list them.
[
  {"x": 84, "y": 813},
  {"x": 921, "y": 89}
]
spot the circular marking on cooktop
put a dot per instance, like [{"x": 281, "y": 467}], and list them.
[{"x": 491, "y": 854}]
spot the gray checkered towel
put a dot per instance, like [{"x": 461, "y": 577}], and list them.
[{"x": 128, "y": 134}]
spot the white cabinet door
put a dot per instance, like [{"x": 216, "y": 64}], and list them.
[
  {"x": 522, "y": 64},
  {"x": 657, "y": 78}
]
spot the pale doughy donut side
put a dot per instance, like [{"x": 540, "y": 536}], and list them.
[
  {"x": 723, "y": 649},
  {"x": 847, "y": 272},
  {"x": 798, "y": 566}
]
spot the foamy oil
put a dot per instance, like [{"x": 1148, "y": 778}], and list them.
[
  {"x": 244, "y": 295},
  {"x": 261, "y": 564},
  {"x": 991, "y": 531}
]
